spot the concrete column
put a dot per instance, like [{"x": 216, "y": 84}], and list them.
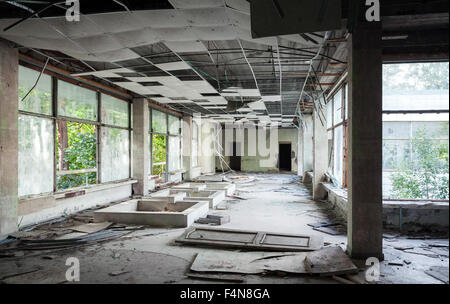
[
  {"x": 8, "y": 139},
  {"x": 141, "y": 147},
  {"x": 187, "y": 146},
  {"x": 365, "y": 141},
  {"x": 320, "y": 149}
]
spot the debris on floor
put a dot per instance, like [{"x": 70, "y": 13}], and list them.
[
  {"x": 439, "y": 272},
  {"x": 231, "y": 278},
  {"x": 214, "y": 220},
  {"x": 91, "y": 227},
  {"x": 326, "y": 262}
]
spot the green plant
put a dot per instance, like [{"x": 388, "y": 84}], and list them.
[
  {"x": 158, "y": 153},
  {"x": 80, "y": 153},
  {"x": 427, "y": 177}
]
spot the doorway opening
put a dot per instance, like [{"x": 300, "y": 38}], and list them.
[
  {"x": 235, "y": 160},
  {"x": 284, "y": 157}
]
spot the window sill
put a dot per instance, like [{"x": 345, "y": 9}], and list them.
[
  {"x": 391, "y": 203},
  {"x": 79, "y": 191}
]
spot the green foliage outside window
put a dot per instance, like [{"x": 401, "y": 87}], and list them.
[
  {"x": 80, "y": 153},
  {"x": 158, "y": 154},
  {"x": 428, "y": 176}
]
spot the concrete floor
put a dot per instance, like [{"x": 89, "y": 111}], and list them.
[{"x": 274, "y": 202}]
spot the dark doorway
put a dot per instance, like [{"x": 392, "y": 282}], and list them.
[
  {"x": 284, "y": 157},
  {"x": 235, "y": 161}
]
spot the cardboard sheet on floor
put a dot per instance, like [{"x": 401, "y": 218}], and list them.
[
  {"x": 257, "y": 240},
  {"x": 327, "y": 261}
]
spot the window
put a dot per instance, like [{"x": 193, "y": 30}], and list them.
[
  {"x": 76, "y": 102},
  {"x": 35, "y": 134},
  {"x": 415, "y": 144},
  {"x": 39, "y": 100},
  {"x": 337, "y": 126},
  {"x": 114, "y": 111},
  {"x": 69, "y": 137},
  {"x": 77, "y": 154},
  {"x": 158, "y": 154},
  {"x": 194, "y": 144},
  {"x": 115, "y": 139},
  {"x": 35, "y": 155},
  {"x": 115, "y": 161},
  {"x": 174, "y": 153},
  {"x": 165, "y": 143},
  {"x": 159, "y": 121}
]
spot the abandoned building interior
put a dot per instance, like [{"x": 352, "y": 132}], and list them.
[{"x": 224, "y": 141}]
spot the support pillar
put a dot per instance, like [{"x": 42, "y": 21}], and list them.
[
  {"x": 141, "y": 147},
  {"x": 9, "y": 152},
  {"x": 365, "y": 141},
  {"x": 320, "y": 155}
]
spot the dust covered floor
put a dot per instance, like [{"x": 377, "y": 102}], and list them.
[{"x": 271, "y": 202}]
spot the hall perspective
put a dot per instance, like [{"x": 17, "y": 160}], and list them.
[{"x": 224, "y": 141}]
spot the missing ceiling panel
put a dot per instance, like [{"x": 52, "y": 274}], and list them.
[
  {"x": 117, "y": 79},
  {"x": 129, "y": 74},
  {"x": 151, "y": 49},
  {"x": 150, "y": 84},
  {"x": 210, "y": 94},
  {"x": 281, "y": 17},
  {"x": 132, "y": 62}
]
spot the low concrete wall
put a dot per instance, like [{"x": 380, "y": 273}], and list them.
[
  {"x": 409, "y": 216},
  {"x": 39, "y": 209}
]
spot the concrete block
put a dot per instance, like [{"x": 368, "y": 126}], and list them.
[
  {"x": 154, "y": 212},
  {"x": 212, "y": 197}
]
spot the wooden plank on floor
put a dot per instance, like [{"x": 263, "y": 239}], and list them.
[{"x": 258, "y": 240}]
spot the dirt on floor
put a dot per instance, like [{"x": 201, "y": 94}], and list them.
[{"x": 138, "y": 254}]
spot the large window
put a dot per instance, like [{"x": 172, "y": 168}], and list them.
[
  {"x": 62, "y": 143},
  {"x": 337, "y": 128},
  {"x": 76, "y": 136},
  {"x": 36, "y": 131},
  {"x": 115, "y": 143},
  {"x": 194, "y": 144},
  {"x": 165, "y": 143},
  {"x": 415, "y": 131}
]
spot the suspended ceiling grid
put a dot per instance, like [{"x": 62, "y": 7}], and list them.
[{"x": 194, "y": 57}]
